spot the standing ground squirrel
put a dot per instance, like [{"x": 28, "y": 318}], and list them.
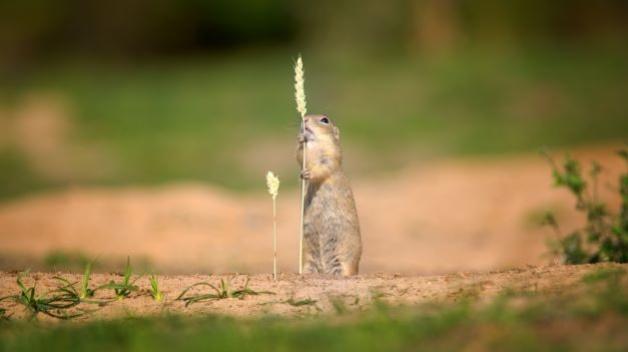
[{"x": 331, "y": 243}]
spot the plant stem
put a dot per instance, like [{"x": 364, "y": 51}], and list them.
[
  {"x": 302, "y": 213},
  {"x": 274, "y": 239}
]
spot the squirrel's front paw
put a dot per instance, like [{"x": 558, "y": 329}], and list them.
[
  {"x": 305, "y": 174},
  {"x": 301, "y": 138}
]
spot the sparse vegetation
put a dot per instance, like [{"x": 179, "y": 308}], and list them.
[
  {"x": 339, "y": 305},
  {"x": 222, "y": 291},
  {"x": 301, "y": 302},
  {"x": 3, "y": 312},
  {"x": 124, "y": 288},
  {"x": 515, "y": 321},
  {"x": 155, "y": 292},
  {"x": 65, "y": 296},
  {"x": 3, "y": 315},
  {"x": 54, "y": 304},
  {"x": 86, "y": 291},
  {"x": 605, "y": 235}
]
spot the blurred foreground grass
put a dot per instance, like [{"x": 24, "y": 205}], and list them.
[
  {"x": 591, "y": 316},
  {"x": 217, "y": 119}
]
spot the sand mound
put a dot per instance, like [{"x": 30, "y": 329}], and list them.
[{"x": 469, "y": 214}]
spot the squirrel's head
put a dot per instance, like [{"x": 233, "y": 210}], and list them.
[{"x": 319, "y": 128}]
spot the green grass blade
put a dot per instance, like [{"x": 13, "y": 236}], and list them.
[
  {"x": 85, "y": 290},
  {"x": 181, "y": 296}
]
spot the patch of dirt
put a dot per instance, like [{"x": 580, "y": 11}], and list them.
[
  {"x": 472, "y": 214},
  {"x": 321, "y": 294}
]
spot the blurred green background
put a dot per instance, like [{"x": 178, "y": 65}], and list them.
[{"x": 146, "y": 92}]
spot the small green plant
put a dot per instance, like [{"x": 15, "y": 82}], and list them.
[
  {"x": 3, "y": 312},
  {"x": 54, "y": 304},
  {"x": 221, "y": 291},
  {"x": 302, "y": 302},
  {"x": 609, "y": 275},
  {"x": 339, "y": 305},
  {"x": 124, "y": 288},
  {"x": 155, "y": 292},
  {"x": 3, "y": 315},
  {"x": 86, "y": 292},
  {"x": 605, "y": 236}
]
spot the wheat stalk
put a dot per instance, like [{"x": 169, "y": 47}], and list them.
[
  {"x": 299, "y": 95},
  {"x": 272, "y": 182},
  {"x": 299, "y": 87}
]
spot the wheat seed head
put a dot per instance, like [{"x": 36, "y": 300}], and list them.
[
  {"x": 272, "y": 182},
  {"x": 299, "y": 87}
]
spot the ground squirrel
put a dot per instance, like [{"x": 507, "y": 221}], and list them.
[{"x": 331, "y": 243}]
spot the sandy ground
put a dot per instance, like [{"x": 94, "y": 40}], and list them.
[
  {"x": 437, "y": 232},
  {"x": 472, "y": 214},
  {"x": 324, "y": 293}
]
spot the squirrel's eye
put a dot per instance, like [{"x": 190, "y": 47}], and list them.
[{"x": 325, "y": 120}]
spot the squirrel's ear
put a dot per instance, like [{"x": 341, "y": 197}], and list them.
[{"x": 336, "y": 132}]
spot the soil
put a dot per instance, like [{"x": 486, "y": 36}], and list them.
[
  {"x": 442, "y": 231},
  {"x": 472, "y": 214},
  {"x": 295, "y": 296}
]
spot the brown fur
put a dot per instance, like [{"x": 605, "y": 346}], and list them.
[{"x": 332, "y": 243}]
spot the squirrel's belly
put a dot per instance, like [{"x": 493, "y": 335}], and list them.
[{"x": 332, "y": 234}]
